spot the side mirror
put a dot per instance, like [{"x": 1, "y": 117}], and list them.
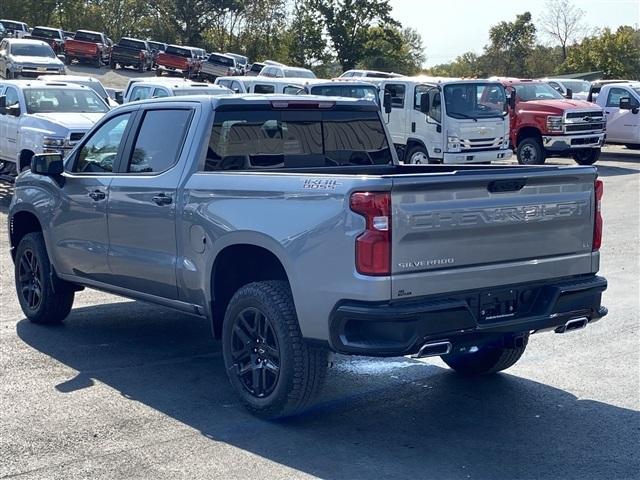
[
  {"x": 512, "y": 100},
  {"x": 3, "y": 105},
  {"x": 387, "y": 102},
  {"x": 119, "y": 97},
  {"x": 424, "y": 103},
  {"x": 629, "y": 103},
  {"x": 49, "y": 164},
  {"x": 13, "y": 110},
  {"x": 62, "y": 58},
  {"x": 569, "y": 94}
]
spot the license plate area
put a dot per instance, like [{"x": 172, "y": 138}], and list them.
[{"x": 496, "y": 306}]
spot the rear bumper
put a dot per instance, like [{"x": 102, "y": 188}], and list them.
[
  {"x": 173, "y": 69},
  {"x": 401, "y": 327},
  {"x": 562, "y": 143},
  {"x": 475, "y": 157}
]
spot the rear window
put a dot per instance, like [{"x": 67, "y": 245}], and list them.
[
  {"x": 352, "y": 91},
  {"x": 11, "y": 25},
  {"x": 126, "y": 42},
  {"x": 45, "y": 33},
  {"x": 88, "y": 37},
  {"x": 298, "y": 73},
  {"x": 179, "y": 52},
  {"x": 201, "y": 91},
  {"x": 256, "y": 67},
  {"x": 156, "y": 45},
  {"x": 220, "y": 60},
  {"x": 243, "y": 140}
]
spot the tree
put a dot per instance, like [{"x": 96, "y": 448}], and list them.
[
  {"x": 617, "y": 54},
  {"x": 562, "y": 22},
  {"x": 393, "y": 50},
  {"x": 511, "y": 45},
  {"x": 307, "y": 46},
  {"x": 348, "y": 23}
]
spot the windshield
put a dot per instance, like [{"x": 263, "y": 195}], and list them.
[
  {"x": 46, "y": 33},
  {"x": 221, "y": 60},
  {"x": 536, "y": 91},
  {"x": 577, "y": 86},
  {"x": 475, "y": 100},
  {"x": 30, "y": 50},
  {"x": 202, "y": 91},
  {"x": 50, "y": 100},
  {"x": 292, "y": 139},
  {"x": 298, "y": 73},
  {"x": 351, "y": 91},
  {"x": 88, "y": 37},
  {"x": 96, "y": 87},
  {"x": 179, "y": 52}
]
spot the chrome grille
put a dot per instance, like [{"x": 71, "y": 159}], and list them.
[
  {"x": 479, "y": 144},
  {"x": 580, "y": 121}
]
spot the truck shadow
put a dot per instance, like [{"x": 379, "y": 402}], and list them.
[
  {"x": 377, "y": 419},
  {"x": 6, "y": 192}
]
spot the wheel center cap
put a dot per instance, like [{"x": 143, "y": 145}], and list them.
[{"x": 261, "y": 351}]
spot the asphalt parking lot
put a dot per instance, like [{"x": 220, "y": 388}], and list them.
[{"x": 129, "y": 390}]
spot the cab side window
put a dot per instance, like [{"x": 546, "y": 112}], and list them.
[
  {"x": 157, "y": 148},
  {"x": 397, "y": 92},
  {"x": 260, "y": 88},
  {"x": 140, "y": 93},
  {"x": 98, "y": 154},
  {"x": 613, "y": 99},
  {"x": 12, "y": 97},
  {"x": 160, "y": 93}
]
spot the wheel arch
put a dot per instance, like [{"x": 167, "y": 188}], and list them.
[
  {"x": 237, "y": 265},
  {"x": 526, "y": 132},
  {"x": 22, "y": 223}
]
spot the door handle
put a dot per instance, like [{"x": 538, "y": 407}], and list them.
[
  {"x": 162, "y": 199},
  {"x": 607, "y": 112},
  {"x": 97, "y": 195}
]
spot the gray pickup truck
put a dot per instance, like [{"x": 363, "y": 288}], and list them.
[{"x": 290, "y": 225}]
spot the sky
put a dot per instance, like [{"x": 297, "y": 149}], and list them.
[{"x": 453, "y": 27}]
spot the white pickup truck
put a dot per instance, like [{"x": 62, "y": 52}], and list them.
[
  {"x": 447, "y": 120},
  {"x": 621, "y": 105},
  {"x": 43, "y": 117}
]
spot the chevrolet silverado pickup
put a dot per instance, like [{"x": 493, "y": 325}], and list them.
[
  {"x": 132, "y": 52},
  {"x": 88, "y": 46},
  {"x": 177, "y": 59},
  {"x": 545, "y": 124},
  {"x": 290, "y": 225}
]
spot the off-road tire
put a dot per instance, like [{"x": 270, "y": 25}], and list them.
[
  {"x": 55, "y": 304},
  {"x": 530, "y": 152},
  {"x": 302, "y": 367},
  {"x": 587, "y": 156},
  {"x": 158, "y": 72},
  {"x": 487, "y": 360}
]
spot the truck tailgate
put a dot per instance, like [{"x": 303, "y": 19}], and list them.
[{"x": 473, "y": 229}]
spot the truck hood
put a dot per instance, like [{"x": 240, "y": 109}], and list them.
[
  {"x": 555, "y": 106},
  {"x": 24, "y": 60},
  {"x": 489, "y": 129},
  {"x": 70, "y": 121}
]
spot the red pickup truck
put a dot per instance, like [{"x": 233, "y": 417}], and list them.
[
  {"x": 546, "y": 124},
  {"x": 175, "y": 58},
  {"x": 87, "y": 46}
]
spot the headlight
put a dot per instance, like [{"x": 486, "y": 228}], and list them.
[
  {"x": 554, "y": 124},
  {"x": 17, "y": 68},
  {"x": 453, "y": 143},
  {"x": 53, "y": 141}
]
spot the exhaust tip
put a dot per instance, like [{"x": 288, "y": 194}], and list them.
[
  {"x": 572, "y": 325},
  {"x": 434, "y": 349}
]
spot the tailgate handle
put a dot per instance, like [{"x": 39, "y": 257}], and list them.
[{"x": 510, "y": 185}]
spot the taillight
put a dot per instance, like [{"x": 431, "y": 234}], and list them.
[
  {"x": 597, "y": 225},
  {"x": 373, "y": 247}
]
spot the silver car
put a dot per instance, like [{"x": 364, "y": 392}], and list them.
[{"x": 28, "y": 58}]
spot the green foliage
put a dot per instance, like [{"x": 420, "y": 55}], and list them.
[
  {"x": 511, "y": 45},
  {"x": 617, "y": 54},
  {"x": 349, "y": 24},
  {"x": 393, "y": 50},
  {"x": 310, "y": 33}
]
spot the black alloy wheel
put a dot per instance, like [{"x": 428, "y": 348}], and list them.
[
  {"x": 255, "y": 352},
  {"x": 30, "y": 279}
]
